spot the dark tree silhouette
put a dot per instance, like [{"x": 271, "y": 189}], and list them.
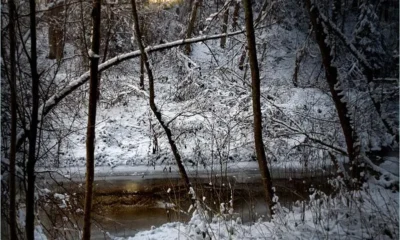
[
  {"x": 30, "y": 167},
  {"x": 255, "y": 89},
  {"x": 331, "y": 74},
  {"x": 91, "y": 130},
  {"x": 13, "y": 137}
]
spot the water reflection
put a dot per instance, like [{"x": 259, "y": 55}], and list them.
[{"x": 123, "y": 207}]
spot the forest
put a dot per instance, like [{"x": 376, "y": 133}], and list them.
[{"x": 199, "y": 119}]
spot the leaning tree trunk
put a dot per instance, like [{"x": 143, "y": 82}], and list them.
[
  {"x": 331, "y": 73},
  {"x": 90, "y": 134},
  {"x": 153, "y": 106},
  {"x": 30, "y": 167},
  {"x": 255, "y": 79},
  {"x": 225, "y": 23},
  {"x": 192, "y": 21},
  {"x": 13, "y": 137}
]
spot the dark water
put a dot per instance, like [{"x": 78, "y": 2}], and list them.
[{"x": 124, "y": 207}]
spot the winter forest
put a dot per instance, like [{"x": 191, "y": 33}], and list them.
[{"x": 199, "y": 119}]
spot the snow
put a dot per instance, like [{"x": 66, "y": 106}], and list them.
[
  {"x": 93, "y": 54},
  {"x": 391, "y": 164},
  {"x": 39, "y": 234}
]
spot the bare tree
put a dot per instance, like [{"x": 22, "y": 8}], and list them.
[
  {"x": 369, "y": 71},
  {"x": 255, "y": 79},
  {"x": 153, "y": 106},
  {"x": 192, "y": 21},
  {"x": 13, "y": 137},
  {"x": 91, "y": 130},
  {"x": 30, "y": 168},
  {"x": 225, "y": 23},
  {"x": 331, "y": 74},
  {"x": 141, "y": 82},
  {"x": 56, "y": 32},
  {"x": 235, "y": 15}
]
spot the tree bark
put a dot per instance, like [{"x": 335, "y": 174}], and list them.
[
  {"x": 153, "y": 106},
  {"x": 255, "y": 79},
  {"x": 335, "y": 90},
  {"x": 56, "y": 32},
  {"x": 13, "y": 137},
  {"x": 141, "y": 83},
  {"x": 91, "y": 131},
  {"x": 30, "y": 167},
  {"x": 192, "y": 21},
  {"x": 242, "y": 59},
  {"x": 235, "y": 14},
  {"x": 225, "y": 23},
  {"x": 256, "y": 22}
]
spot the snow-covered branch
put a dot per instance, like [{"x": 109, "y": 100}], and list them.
[
  {"x": 299, "y": 131},
  {"x": 392, "y": 179},
  {"x": 347, "y": 43}
]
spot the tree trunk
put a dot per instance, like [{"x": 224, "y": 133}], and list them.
[
  {"x": 242, "y": 59},
  {"x": 255, "y": 79},
  {"x": 153, "y": 107},
  {"x": 299, "y": 58},
  {"x": 90, "y": 134},
  {"x": 141, "y": 83},
  {"x": 30, "y": 168},
  {"x": 13, "y": 137},
  {"x": 225, "y": 23},
  {"x": 368, "y": 72},
  {"x": 52, "y": 41},
  {"x": 235, "y": 14},
  {"x": 142, "y": 30},
  {"x": 259, "y": 18},
  {"x": 190, "y": 28},
  {"x": 335, "y": 89},
  {"x": 56, "y": 32}
]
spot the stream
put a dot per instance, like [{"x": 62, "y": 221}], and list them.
[{"x": 124, "y": 206}]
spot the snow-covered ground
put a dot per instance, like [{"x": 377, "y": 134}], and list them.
[{"x": 206, "y": 101}]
